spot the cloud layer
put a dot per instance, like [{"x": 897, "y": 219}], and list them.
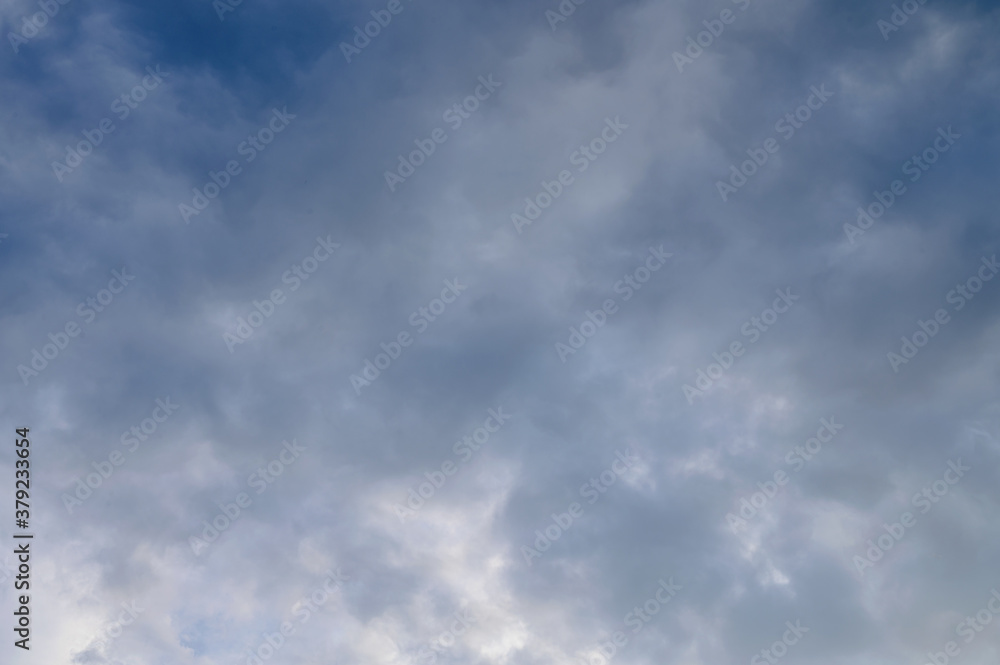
[{"x": 504, "y": 333}]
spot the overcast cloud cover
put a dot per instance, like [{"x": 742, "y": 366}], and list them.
[{"x": 718, "y": 523}]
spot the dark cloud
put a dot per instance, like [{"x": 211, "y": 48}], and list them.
[{"x": 367, "y": 445}]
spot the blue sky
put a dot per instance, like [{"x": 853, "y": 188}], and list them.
[{"x": 463, "y": 346}]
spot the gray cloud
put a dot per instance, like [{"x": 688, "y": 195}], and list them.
[{"x": 324, "y": 177}]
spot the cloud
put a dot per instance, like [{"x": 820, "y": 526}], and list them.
[{"x": 321, "y": 181}]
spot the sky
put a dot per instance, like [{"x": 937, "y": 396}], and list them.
[{"x": 501, "y": 333}]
